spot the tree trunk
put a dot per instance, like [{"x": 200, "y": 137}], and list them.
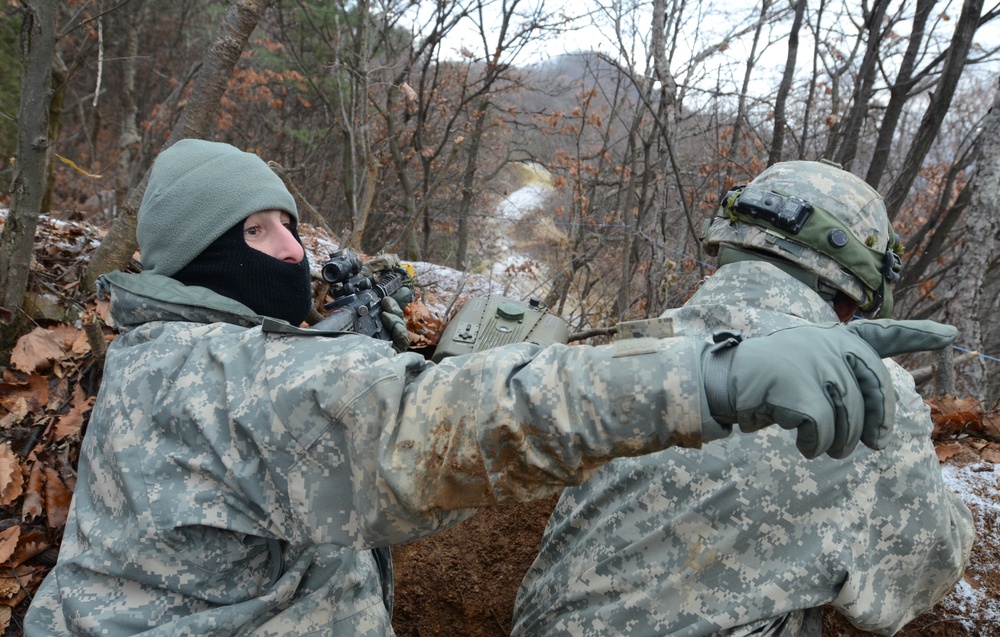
[
  {"x": 928, "y": 242},
  {"x": 469, "y": 186},
  {"x": 231, "y": 37},
  {"x": 741, "y": 107},
  {"x": 38, "y": 41},
  {"x": 898, "y": 95},
  {"x": 813, "y": 86},
  {"x": 863, "y": 88},
  {"x": 983, "y": 232},
  {"x": 780, "y": 120},
  {"x": 408, "y": 239},
  {"x": 360, "y": 165},
  {"x": 628, "y": 199},
  {"x": 954, "y": 63},
  {"x": 129, "y": 140}
]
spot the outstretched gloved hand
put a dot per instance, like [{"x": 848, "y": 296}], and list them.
[{"x": 828, "y": 382}]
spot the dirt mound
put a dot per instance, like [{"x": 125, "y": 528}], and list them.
[{"x": 463, "y": 582}]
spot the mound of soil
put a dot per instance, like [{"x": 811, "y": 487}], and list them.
[{"x": 463, "y": 582}]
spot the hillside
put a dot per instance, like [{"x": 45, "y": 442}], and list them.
[{"x": 461, "y": 582}]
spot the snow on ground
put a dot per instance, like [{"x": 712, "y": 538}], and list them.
[
  {"x": 978, "y": 485},
  {"x": 441, "y": 286},
  {"x": 526, "y": 199},
  {"x": 518, "y": 273}
]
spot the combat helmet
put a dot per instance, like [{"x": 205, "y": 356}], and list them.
[{"x": 818, "y": 218}]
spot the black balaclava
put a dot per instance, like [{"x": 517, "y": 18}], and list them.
[{"x": 265, "y": 284}]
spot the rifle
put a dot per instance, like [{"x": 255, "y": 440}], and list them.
[{"x": 356, "y": 295}]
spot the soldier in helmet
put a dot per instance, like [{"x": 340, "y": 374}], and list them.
[{"x": 745, "y": 537}]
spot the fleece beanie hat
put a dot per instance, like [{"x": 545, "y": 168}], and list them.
[{"x": 197, "y": 191}]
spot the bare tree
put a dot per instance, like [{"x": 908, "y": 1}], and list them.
[
  {"x": 899, "y": 94},
  {"x": 360, "y": 165},
  {"x": 930, "y": 241},
  {"x": 785, "y": 86},
  {"x": 975, "y": 299},
  {"x": 438, "y": 152},
  {"x": 38, "y": 39},
  {"x": 129, "y": 140},
  {"x": 741, "y": 107},
  {"x": 501, "y": 43},
  {"x": 806, "y": 135},
  {"x": 930, "y": 124},
  {"x": 864, "y": 87},
  {"x": 231, "y": 37}
]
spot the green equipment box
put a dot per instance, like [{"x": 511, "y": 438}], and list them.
[{"x": 494, "y": 321}]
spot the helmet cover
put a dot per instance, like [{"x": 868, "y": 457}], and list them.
[{"x": 841, "y": 231}]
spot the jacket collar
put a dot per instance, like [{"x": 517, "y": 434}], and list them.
[
  {"x": 760, "y": 287},
  {"x": 144, "y": 297}
]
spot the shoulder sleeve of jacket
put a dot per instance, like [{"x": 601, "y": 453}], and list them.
[{"x": 394, "y": 447}]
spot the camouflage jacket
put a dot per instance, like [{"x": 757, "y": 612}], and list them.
[
  {"x": 746, "y": 536},
  {"x": 237, "y": 472}
]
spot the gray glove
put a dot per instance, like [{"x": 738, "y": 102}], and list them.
[
  {"x": 403, "y": 296},
  {"x": 828, "y": 382},
  {"x": 394, "y": 321}
]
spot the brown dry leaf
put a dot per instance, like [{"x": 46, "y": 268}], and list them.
[
  {"x": 10, "y": 377},
  {"x": 30, "y": 545},
  {"x": 57, "y": 499},
  {"x": 952, "y": 415},
  {"x": 9, "y": 587},
  {"x": 408, "y": 92},
  {"x": 948, "y": 450},
  {"x": 422, "y": 324},
  {"x": 951, "y": 404},
  {"x": 31, "y": 392},
  {"x": 80, "y": 345},
  {"x": 991, "y": 426},
  {"x": 68, "y": 337},
  {"x": 8, "y": 542},
  {"x": 32, "y": 506},
  {"x": 16, "y": 410},
  {"x": 70, "y": 423},
  {"x": 59, "y": 395},
  {"x": 103, "y": 311},
  {"x": 5, "y": 614},
  {"x": 991, "y": 454},
  {"x": 12, "y": 588},
  {"x": 11, "y": 477},
  {"x": 36, "y": 351}
]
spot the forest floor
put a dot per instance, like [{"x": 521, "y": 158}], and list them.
[{"x": 459, "y": 583}]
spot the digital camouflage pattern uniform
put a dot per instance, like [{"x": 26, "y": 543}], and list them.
[
  {"x": 745, "y": 536},
  {"x": 236, "y": 472}
]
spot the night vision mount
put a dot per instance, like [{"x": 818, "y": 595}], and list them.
[{"x": 785, "y": 212}]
